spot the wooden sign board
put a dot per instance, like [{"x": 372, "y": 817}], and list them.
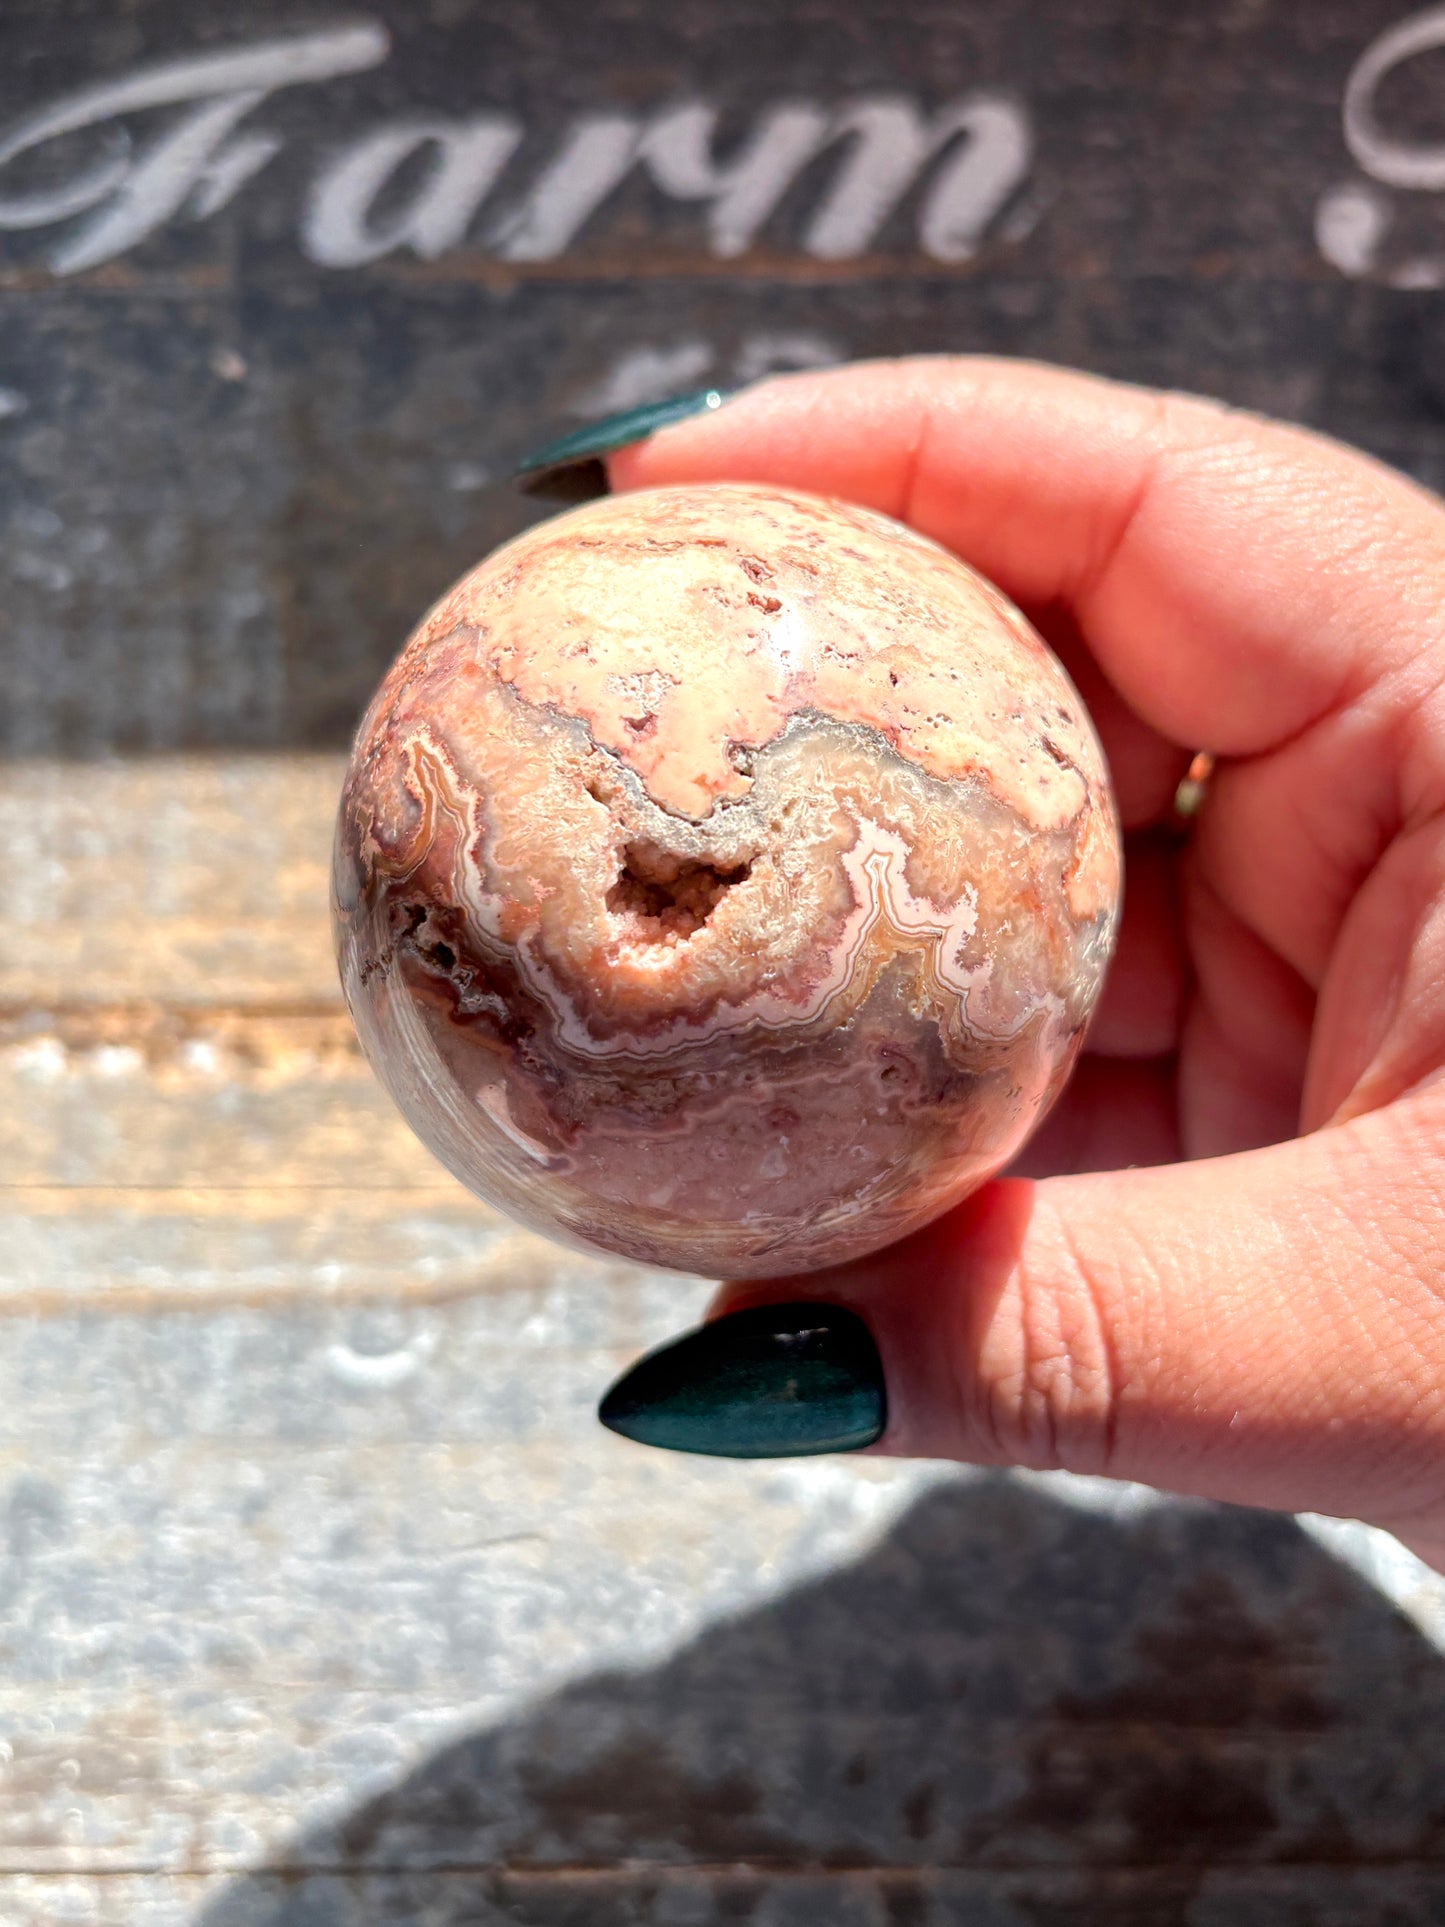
[{"x": 284, "y": 296}]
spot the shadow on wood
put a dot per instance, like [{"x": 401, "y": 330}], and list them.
[{"x": 1011, "y": 1710}]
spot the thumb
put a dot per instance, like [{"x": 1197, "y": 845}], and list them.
[{"x": 1264, "y": 1328}]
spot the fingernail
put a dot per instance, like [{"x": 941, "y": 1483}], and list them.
[
  {"x": 771, "y": 1382},
  {"x": 571, "y": 468}
]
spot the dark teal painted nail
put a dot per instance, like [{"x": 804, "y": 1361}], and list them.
[
  {"x": 571, "y": 468},
  {"x": 771, "y": 1382}
]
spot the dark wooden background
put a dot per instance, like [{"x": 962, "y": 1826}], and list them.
[
  {"x": 324, "y": 1601},
  {"x": 230, "y": 476}
]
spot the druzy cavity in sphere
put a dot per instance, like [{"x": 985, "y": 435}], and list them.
[{"x": 724, "y": 878}]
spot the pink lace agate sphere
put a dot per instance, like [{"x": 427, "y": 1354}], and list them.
[{"x": 724, "y": 878}]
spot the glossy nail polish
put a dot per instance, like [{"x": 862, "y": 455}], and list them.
[
  {"x": 571, "y": 469},
  {"x": 770, "y": 1382}
]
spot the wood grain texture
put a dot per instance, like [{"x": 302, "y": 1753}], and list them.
[
  {"x": 231, "y": 475},
  {"x": 177, "y": 884},
  {"x": 324, "y": 1602}
]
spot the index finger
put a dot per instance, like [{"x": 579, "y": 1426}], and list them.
[{"x": 1235, "y": 578}]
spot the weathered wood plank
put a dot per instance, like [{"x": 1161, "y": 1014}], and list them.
[
  {"x": 1309, "y": 1896},
  {"x": 376, "y": 1576},
  {"x": 316, "y": 1572},
  {"x": 264, "y": 1101},
  {"x": 198, "y": 891},
  {"x": 168, "y": 881},
  {"x": 139, "y": 1250}
]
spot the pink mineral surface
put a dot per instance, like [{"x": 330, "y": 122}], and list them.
[{"x": 724, "y": 878}]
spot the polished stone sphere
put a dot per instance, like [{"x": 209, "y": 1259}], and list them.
[{"x": 724, "y": 878}]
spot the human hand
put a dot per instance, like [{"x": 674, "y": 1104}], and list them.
[{"x": 1175, "y": 1287}]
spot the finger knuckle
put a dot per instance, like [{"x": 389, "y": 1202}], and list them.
[{"x": 1049, "y": 1385}]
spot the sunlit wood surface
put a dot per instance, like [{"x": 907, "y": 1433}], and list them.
[{"x": 323, "y": 1601}]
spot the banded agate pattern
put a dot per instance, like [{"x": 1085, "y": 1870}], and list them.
[{"x": 724, "y": 878}]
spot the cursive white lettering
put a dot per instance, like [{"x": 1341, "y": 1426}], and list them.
[
  {"x": 192, "y": 158},
  {"x": 677, "y": 150},
  {"x": 1394, "y": 162},
  {"x": 422, "y": 181},
  {"x": 338, "y": 227},
  {"x": 596, "y": 157},
  {"x": 893, "y": 143}
]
